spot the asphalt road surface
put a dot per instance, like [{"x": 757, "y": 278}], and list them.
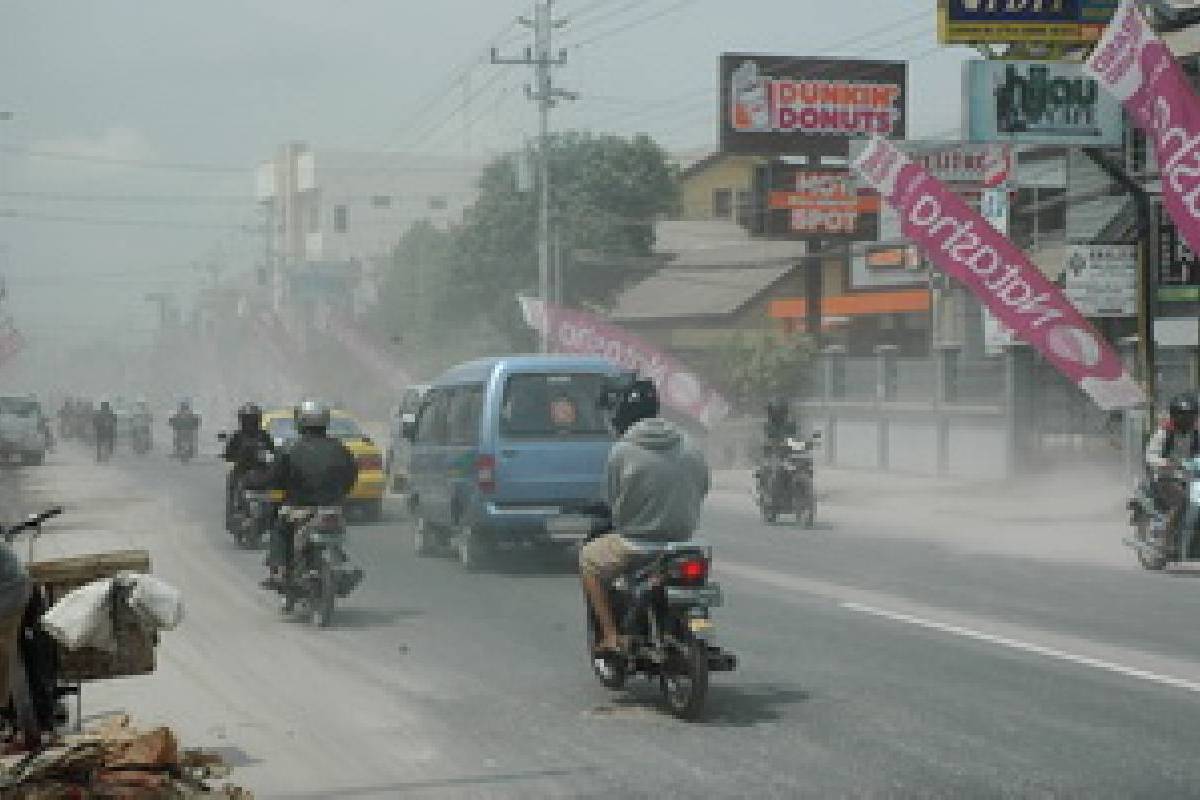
[{"x": 872, "y": 665}]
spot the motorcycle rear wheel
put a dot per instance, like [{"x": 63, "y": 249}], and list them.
[
  {"x": 806, "y": 506},
  {"x": 684, "y": 681}
]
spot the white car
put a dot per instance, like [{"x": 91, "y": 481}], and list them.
[{"x": 22, "y": 430}]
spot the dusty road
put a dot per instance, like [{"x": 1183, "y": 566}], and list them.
[{"x": 880, "y": 657}]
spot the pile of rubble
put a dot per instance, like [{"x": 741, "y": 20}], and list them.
[{"x": 116, "y": 762}]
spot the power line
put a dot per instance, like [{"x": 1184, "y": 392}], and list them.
[
  {"x": 115, "y": 221},
  {"x": 124, "y": 162},
  {"x": 634, "y": 23}
]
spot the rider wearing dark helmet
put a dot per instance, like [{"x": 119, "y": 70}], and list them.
[
  {"x": 1175, "y": 441},
  {"x": 243, "y": 450}
]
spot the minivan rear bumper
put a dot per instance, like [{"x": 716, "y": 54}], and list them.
[{"x": 549, "y": 522}]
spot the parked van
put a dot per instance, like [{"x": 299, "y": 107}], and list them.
[{"x": 510, "y": 450}]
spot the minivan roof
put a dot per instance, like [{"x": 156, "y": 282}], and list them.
[{"x": 481, "y": 369}]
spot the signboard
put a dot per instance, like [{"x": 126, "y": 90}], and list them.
[
  {"x": 960, "y": 242},
  {"x": 1101, "y": 279},
  {"x": 1038, "y": 102},
  {"x": 994, "y": 207},
  {"x": 825, "y": 203},
  {"x": 1072, "y": 22},
  {"x": 955, "y": 162},
  {"x": 1134, "y": 64},
  {"x": 579, "y": 332},
  {"x": 783, "y": 105}
]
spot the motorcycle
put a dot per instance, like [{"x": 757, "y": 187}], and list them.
[
  {"x": 663, "y": 608},
  {"x": 185, "y": 445},
  {"x": 784, "y": 483},
  {"x": 320, "y": 571},
  {"x": 140, "y": 440},
  {"x": 254, "y": 509},
  {"x": 1154, "y": 541}
]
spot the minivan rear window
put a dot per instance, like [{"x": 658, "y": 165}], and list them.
[{"x": 557, "y": 405}]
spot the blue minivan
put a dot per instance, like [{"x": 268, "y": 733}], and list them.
[{"x": 510, "y": 450}]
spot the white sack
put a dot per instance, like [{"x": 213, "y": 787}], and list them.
[{"x": 83, "y": 617}]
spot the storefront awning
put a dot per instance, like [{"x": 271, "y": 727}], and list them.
[{"x": 854, "y": 305}]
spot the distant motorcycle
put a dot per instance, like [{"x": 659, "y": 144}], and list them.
[
  {"x": 1155, "y": 543},
  {"x": 140, "y": 440},
  {"x": 185, "y": 445},
  {"x": 663, "y": 607},
  {"x": 255, "y": 509},
  {"x": 319, "y": 571},
  {"x": 784, "y": 483}
]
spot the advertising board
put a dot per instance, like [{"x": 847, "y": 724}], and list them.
[
  {"x": 1038, "y": 102},
  {"x": 818, "y": 202},
  {"x": 1101, "y": 279},
  {"x": 1071, "y": 22},
  {"x": 785, "y": 105}
]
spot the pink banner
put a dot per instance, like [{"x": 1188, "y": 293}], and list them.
[
  {"x": 962, "y": 244},
  {"x": 582, "y": 333},
  {"x": 1134, "y": 64}
]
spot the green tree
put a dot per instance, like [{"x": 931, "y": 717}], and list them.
[
  {"x": 606, "y": 192},
  {"x": 756, "y": 366}
]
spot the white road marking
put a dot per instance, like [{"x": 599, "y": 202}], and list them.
[{"x": 1028, "y": 647}]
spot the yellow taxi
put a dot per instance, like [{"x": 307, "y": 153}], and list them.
[{"x": 367, "y": 494}]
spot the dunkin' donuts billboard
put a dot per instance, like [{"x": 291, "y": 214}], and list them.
[{"x": 784, "y": 105}]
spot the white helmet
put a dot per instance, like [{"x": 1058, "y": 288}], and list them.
[{"x": 312, "y": 414}]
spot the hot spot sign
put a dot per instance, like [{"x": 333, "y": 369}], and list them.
[{"x": 808, "y": 106}]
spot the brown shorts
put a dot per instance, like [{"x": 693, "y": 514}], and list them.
[{"x": 605, "y": 557}]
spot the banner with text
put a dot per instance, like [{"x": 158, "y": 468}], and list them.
[
  {"x": 581, "y": 333},
  {"x": 962, "y": 244},
  {"x": 1134, "y": 64}
]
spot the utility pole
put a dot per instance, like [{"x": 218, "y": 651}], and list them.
[{"x": 547, "y": 97}]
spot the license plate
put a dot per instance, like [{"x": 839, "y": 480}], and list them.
[
  {"x": 699, "y": 625},
  {"x": 572, "y": 526}
]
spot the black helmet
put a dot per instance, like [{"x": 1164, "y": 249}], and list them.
[
  {"x": 249, "y": 417},
  {"x": 638, "y": 402},
  {"x": 312, "y": 415},
  {"x": 1184, "y": 409}
]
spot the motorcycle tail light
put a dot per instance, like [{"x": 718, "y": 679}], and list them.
[
  {"x": 690, "y": 570},
  {"x": 485, "y": 474}
]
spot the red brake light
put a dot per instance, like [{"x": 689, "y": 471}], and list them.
[
  {"x": 693, "y": 570},
  {"x": 485, "y": 474},
  {"x": 371, "y": 461}
]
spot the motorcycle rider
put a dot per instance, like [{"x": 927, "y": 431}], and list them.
[
  {"x": 1175, "y": 441},
  {"x": 657, "y": 480},
  {"x": 317, "y": 470},
  {"x": 185, "y": 423},
  {"x": 243, "y": 450},
  {"x": 779, "y": 425},
  {"x": 104, "y": 423}
]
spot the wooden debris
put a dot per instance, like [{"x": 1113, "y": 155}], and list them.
[{"x": 116, "y": 761}]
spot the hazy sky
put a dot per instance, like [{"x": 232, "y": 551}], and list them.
[{"x": 218, "y": 85}]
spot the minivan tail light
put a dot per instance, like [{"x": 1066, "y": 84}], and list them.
[{"x": 485, "y": 474}]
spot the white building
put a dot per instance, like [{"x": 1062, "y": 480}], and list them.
[{"x": 334, "y": 216}]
